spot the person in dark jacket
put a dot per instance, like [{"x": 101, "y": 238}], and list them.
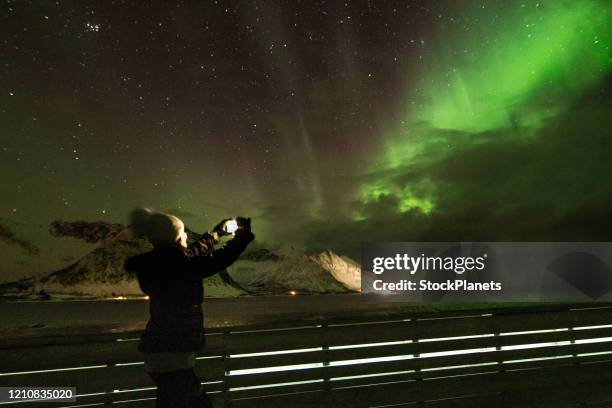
[{"x": 171, "y": 275}]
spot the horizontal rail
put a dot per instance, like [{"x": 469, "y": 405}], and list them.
[
  {"x": 414, "y": 347},
  {"x": 418, "y": 363}
]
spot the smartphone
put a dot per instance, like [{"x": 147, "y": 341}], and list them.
[{"x": 231, "y": 226}]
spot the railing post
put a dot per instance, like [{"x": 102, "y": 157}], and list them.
[
  {"x": 500, "y": 369},
  {"x": 416, "y": 357},
  {"x": 325, "y": 346},
  {"x": 576, "y": 364},
  {"x": 109, "y": 394},
  {"x": 499, "y": 361},
  {"x": 226, "y": 399}
]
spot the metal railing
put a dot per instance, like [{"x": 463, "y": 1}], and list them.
[{"x": 524, "y": 356}]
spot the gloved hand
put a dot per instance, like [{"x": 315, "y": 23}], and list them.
[
  {"x": 244, "y": 223},
  {"x": 221, "y": 232}
]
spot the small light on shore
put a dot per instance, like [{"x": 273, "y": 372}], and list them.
[{"x": 292, "y": 292}]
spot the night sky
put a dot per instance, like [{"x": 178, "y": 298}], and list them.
[{"x": 329, "y": 123}]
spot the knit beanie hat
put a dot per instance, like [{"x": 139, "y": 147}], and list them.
[{"x": 162, "y": 230}]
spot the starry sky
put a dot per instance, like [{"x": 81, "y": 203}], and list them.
[{"x": 330, "y": 123}]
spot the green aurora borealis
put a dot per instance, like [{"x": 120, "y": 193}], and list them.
[
  {"x": 523, "y": 71},
  {"x": 329, "y": 123}
]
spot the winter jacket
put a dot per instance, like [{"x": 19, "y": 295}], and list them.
[{"x": 172, "y": 277}]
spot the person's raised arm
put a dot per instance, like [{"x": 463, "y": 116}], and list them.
[
  {"x": 206, "y": 243},
  {"x": 208, "y": 263}
]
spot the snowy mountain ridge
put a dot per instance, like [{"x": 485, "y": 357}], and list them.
[{"x": 99, "y": 273}]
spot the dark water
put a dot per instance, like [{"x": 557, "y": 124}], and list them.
[
  {"x": 41, "y": 318},
  {"x": 38, "y": 317}
]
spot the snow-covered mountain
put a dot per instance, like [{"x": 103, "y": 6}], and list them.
[
  {"x": 343, "y": 269},
  {"x": 99, "y": 272},
  {"x": 286, "y": 270},
  {"x": 36, "y": 249}
]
